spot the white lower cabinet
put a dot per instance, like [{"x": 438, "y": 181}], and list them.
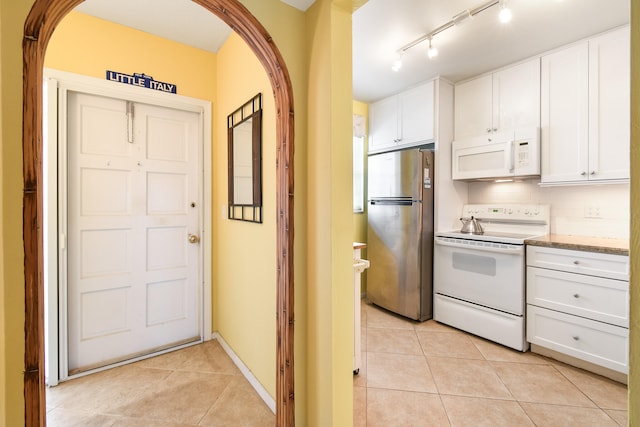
[
  {"x": 578, "y": 305},
  {"x": 596, "y": 342}
]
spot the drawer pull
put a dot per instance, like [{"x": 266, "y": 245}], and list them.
[
  {"x": 576, "y": 296},
  {"x": 576, "y": 338},
  {"x": 576, "y": 262}
]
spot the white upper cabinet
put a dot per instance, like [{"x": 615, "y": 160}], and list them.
[
  {"x": 564, "y": 114},
  {"x": 402, "y": 120},
  {"x": 609, "y": 105},
  {"x": 506, "y": 100},
  {"x": 473, "y": 102},
  {"x": 585, "y": 111}
]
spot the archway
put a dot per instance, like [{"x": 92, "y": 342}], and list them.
[{"x": 39, "y": 26}]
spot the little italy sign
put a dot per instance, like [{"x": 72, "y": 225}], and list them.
[{"x": 142, "y": 80}]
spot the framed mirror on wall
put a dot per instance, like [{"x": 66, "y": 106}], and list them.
[{"x": 244, "y": 137}]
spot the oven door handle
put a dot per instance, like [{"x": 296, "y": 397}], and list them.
[{"x": 517, "y": 249}]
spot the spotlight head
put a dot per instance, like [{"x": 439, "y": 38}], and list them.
[{"x": 504, "y": 15}]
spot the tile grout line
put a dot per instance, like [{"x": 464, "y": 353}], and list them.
[{"x": 492, "y": 363}]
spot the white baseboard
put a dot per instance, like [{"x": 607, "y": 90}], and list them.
[{"x": 246, "y": 372}]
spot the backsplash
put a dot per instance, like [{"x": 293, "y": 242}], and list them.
[{"x": 589, "y": 210}]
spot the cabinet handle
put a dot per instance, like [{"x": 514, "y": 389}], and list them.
[
  {"x": 576, "y": 338},
  {"x": 576, "y": 296},
  {"x": 576, "y": 262},
  {"x": 583, "y": 173},
  {"x": 593, "y": 172},
  {"x": 495, "y": 129},
  {"x": 488, "y": 130}
]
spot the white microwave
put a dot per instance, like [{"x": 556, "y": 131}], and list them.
[{"x": 500, "y": 155}]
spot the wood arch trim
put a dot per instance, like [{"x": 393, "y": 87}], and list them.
[{"x": 39, "y": 26}]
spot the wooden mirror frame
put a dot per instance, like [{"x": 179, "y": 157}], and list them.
[{"x": 39, "y": 26}]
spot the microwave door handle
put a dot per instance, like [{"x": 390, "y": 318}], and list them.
[
  {"x": 512, "y": 154},
  {"x": 516, "y": 250}
]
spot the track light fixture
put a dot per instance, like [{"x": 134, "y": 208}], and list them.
[
  {"x": 432, "y": 52},
  {"x": 504, "y": 16},
  {"x": 505, "y": 12},
  {"x": 397, "y": 64}
]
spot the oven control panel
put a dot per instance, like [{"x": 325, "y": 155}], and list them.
[{"x": 508, "y": 212}]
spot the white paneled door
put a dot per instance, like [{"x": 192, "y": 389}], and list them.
[{"x": 133, "y": 256}]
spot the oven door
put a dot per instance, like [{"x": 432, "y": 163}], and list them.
[{"x": 485, "y": 273}]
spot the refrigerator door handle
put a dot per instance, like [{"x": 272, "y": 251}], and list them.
[{"x": 408, "y": 202}]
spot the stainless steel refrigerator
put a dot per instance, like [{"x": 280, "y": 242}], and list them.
[{"x": 400, "y": 232}]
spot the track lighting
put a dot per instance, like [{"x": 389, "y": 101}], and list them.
[
  {"x": 432, "y": 52},
  {"x": 505, "y": 13},
  {"x": 504, "y": 16},
  {"x": 397, "y": 64}
]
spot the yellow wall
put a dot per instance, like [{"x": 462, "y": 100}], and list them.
[
  {"x": 12, "y": 17},
  {"x": 244, "y": 254},
  {"x": 330, "y": 217},
  {"x": 287, "y": 26},
  {"x": 634, "y": 332},
  {"x": 89, "y": 46}
]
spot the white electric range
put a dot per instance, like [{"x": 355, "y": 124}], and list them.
[{"x": 479, "y": 279}]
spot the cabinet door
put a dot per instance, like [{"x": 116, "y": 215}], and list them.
[
  {"x": 564, "y": 115},
  {"x": 516, "y": 97},
  {"x": 609, "y": 106},
  {"x": 383, "y": 124},
  {"x": 473, "y": 108},
  {"x": 415, "y": 110}
]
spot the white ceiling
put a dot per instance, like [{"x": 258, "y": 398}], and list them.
[
  {"x": 381, "y": 27},
  {"x": 181, "y": 20},
  {"x": 480, "y": 44}
]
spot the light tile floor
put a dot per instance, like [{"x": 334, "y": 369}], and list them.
[
  {"x": 428, "y": 374},
  {"x": 412, "y": 374},
  {"x": 195, "y": 386}
]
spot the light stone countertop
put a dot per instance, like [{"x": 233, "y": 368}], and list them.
[{"x": 581, "y": 243}]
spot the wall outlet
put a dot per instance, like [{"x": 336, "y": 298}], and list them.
[{"x": 592, "y": 211}]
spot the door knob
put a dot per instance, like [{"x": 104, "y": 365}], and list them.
[{"x": 193, "y": 238}]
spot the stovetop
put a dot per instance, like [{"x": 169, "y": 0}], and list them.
[
  {"x": 490, "y": 236},
  {"x": 504, "y": 223}
]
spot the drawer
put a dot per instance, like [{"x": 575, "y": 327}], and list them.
[
  {"x": 596, "y": 298},
  {"x": 599, "y": 343},
  {"x": 581, "y": 262}
]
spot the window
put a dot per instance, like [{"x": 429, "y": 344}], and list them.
[
  {"x": 358, "y": 173},
  {"x": 359, "y": 132}
]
